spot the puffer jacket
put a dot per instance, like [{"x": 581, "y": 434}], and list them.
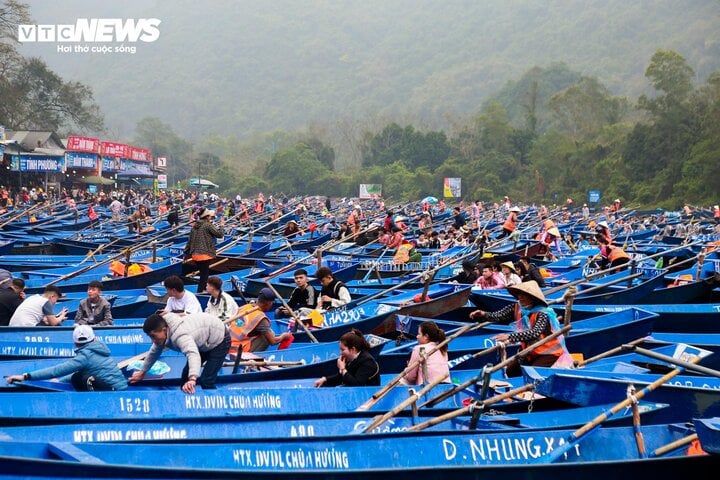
[
  {"x": 189, "y": 334},
  {"x": 202, "y": 238},
  {"x": 92, "y": 358}
]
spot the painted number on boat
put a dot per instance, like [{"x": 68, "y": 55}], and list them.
[{"x": 134, "y": 405}]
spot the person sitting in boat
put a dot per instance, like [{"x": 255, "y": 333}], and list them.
[
  {"x": 94, "y": 309},
  {"x": 138, "y": 219},
  {"x": 291, "y": 230},
  {"x": 612, "y": 256},
  {"x": 356, "y": 365},
  {"x": 220, "y": 304},
  {"x": 10, "y": 299},
  {"x": 529, "y": 271},
  {"x": 201, "y": 337},
  {"x": 436, "y": 365},
  {"x": 488, "y": 280},
  {"x": 434, "y": 240},
  {"x": 533, "y": 320},
  {"x": 303, "y": 298},
  {"x": 510, "y": 277},
  {"x": 334, "y": 293},
  {"x": 39, "y": 309},
  {"x": 397, "y": 238},
  {"x": 179, "y": 300},
  {"x": 92, "y": 367},
  {"x": 468, "y": 274},
  {"x": 250, "y": 328}
]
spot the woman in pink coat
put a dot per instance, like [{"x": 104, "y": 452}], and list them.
[{"x": 428, "y": 337}]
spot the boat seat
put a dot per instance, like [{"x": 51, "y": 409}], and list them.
[{"x": 68, "y": 451}]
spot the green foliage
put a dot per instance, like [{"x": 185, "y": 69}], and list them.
[
  {"x": 395, "y": 143},
  {"x": 295, "y": 171},
  {"x": 152, "y": 133}
]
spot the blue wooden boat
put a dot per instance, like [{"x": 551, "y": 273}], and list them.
[
  {"x": 403, "y": 455},
  {"x": 589, "y": 337},
  {"x": 238, "y": 402},
  {"x": 690, "y": 396},
  {"x": 708, "y": 432},
  {"x": 248, "y": 428},
  {"x": 683, "y": 318}
]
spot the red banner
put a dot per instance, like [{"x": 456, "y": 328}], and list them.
[
  {"x": 112, "y": 149},
  {"x": 82, "y": 144},
  {"x": 140, "y": 154}
]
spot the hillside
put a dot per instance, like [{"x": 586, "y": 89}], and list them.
[{"x": 234, "y": 67}]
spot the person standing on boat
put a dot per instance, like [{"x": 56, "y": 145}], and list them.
[
  {"x": 304, "y": 296},
  {"x": 356, "y": 365},
  {"x": 10, "y": 300},
  {"x": 612, "y": 256},
  {"x": 201, "y": 337},
  {"x": 115, "y": 208},
  {"x": 221, "y": 304},
  {"x": 179, "y": 300},
  {"x": 533, "y": 320},
  {"x": 39, "y": 309},
  {"x": 201, "y": 244},
  {"x": 92, "y": 367},
  {"x": 436, "y": 365},
  {"x": 94, "y": 310},
  {"x": 510, "y": 223},
  {"x": 334, "y": 293}
]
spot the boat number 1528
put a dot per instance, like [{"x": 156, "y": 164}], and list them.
[{"x": 134, "y": 405}]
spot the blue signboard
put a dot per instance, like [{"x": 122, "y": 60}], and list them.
[
  {"x": 111, "y": 164},
  {"x": 81, "y": 160},
  {"x": 36, "y": 163},
  {"x": 594, "y": 196}
]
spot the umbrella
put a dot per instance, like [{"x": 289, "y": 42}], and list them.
[
  {"x": 202, "y": 183},
  {"x": 430, "y": 200},
  {"x": 97, "y": 180}
]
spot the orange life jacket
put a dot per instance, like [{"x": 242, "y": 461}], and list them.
[
  {"x": 616, "y": 253},
  {"x": 509, "y": 224},
  {"x": 403, "y": 253},
  {"x": 551, "y": 347},
  {"x": 240, "y": 328}
]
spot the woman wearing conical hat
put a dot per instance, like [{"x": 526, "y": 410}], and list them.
[{"x": 534, "y": 320}]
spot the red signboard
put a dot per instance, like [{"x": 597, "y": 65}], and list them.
[
  {"x": 112, "y": 149},
  {"x": 140, "y": 154},
  {"x": 82, "y": 144}
]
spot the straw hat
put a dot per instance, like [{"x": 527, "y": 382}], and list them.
[
  {"x": 530, "y": 288},
  {"x": 554, "y": 231},
  {"x": 509, "y": 265},
  {"x": 603, "y": 224},
  {"x": 515, "y": 209}
]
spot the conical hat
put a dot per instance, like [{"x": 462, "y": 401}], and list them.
[
  {"x": 531, "y": 288},
  {"x": 554, "y": 231},
  {"x": 510, "y": 265}
]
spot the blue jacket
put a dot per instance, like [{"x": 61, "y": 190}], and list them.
[{"x": 92, "y": 358}]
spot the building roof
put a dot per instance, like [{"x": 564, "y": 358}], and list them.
[{"x": 33, "y": 139}]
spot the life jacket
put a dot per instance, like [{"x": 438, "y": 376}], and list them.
[
  {"x": 509, "y": 224},
  {"x": 616, "y": 253},
  {"x": 241, "y": 327},
  {"x": 683, "y": 279},
  {"x": 402, "y": 255},
  {"x": 118, "y": 269},
  {"x": 91, "y": 213},
  {"x": 556, "y": 346}
]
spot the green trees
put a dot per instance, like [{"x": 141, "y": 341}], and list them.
[{"x": 34, "y": 97}]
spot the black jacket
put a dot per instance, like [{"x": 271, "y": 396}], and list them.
[{"x": 361, "y": 372}]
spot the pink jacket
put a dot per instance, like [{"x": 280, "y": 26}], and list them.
[{"x": 437, "y": 365}]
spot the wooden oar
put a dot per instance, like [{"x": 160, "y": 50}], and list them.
[
  {"x": 503, "y": 364},
  {"x": 411, "y": 399},
  {"x": 384, "y": 391},
  {"x": 110, "y": 259},
  {"x": 675, "y": 361},
  {"x": 610, "y": 352},
  {"x": 24, "y": 212},
  {"x": 468, "y": 408},
  {"x": 292, "y": 312},
  {"x": 578, "y": 434}
]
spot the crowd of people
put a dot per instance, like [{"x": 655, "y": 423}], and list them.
[{"x": 223, "y": 330}]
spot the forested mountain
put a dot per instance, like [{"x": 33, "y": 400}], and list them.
[{"x": 236, "y": 67}]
